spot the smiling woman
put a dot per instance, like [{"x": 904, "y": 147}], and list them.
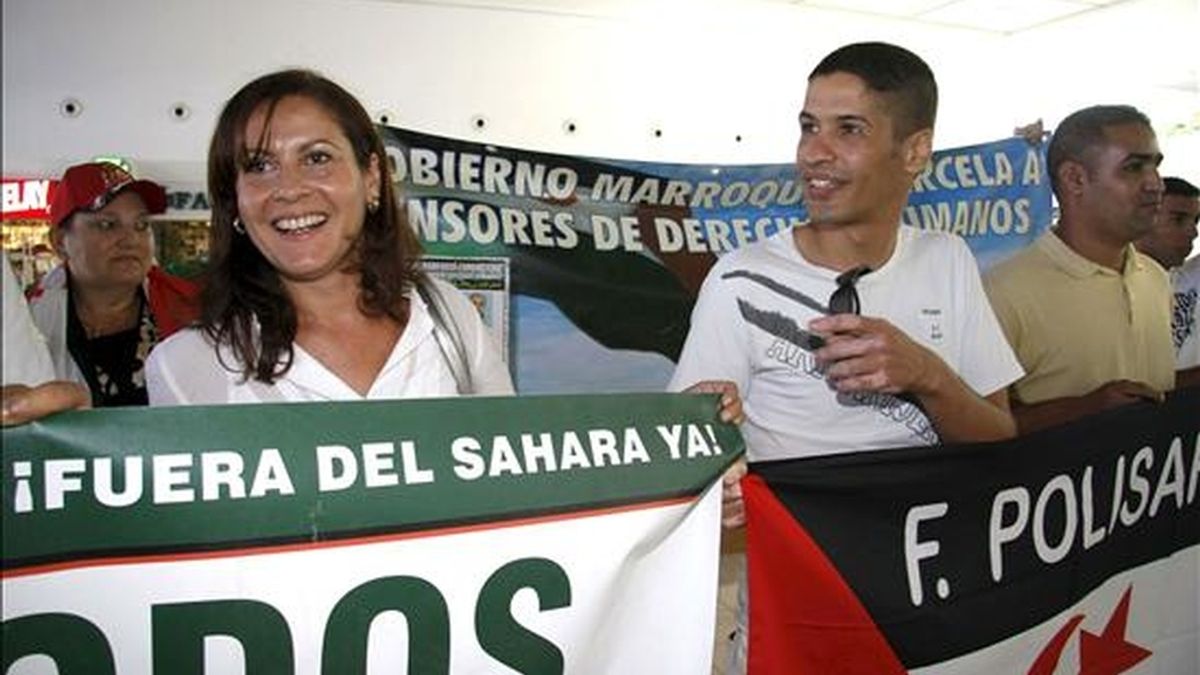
[
  {"x": 301, "y": 194},
  {"x": 313, "y": 290}
]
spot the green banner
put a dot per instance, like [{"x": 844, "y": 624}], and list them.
[{"x": 106, "y": 483}]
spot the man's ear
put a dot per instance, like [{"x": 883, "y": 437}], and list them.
[
  {"x": 917, "y": 150},
  {"x": 58, "y": 242},
  {"x": 1072, "y": 177}
]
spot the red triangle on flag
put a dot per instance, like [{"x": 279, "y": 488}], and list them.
[{"x": 804, "y": 617}]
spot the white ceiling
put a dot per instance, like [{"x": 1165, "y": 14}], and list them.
[
  {"x": 1087, "y": 50},
  {"x": 1004, "y": 17},
  {"x": 994, "y": 16},
  {"x": 1148, "y": 42},
  {"x": 710, "y": 71}
]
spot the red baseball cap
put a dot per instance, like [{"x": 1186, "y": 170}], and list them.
[{"x": 91, "y": 186}]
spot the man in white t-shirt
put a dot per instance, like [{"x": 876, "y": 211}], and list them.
[
  {"x": 1170, "y": 242},
  {"x": 1185, "y": 324},
  {"x": 852, "y": 332},
  {"x": 921, "y": 359}
]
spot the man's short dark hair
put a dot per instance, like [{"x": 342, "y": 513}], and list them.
[
  {"x": 895, "y": 72},
  {"x": 1083, "y": 131},
  {"x": 1179, "y": 186}
]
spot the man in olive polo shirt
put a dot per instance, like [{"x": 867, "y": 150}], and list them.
[{"x": 1088, "y": 316}]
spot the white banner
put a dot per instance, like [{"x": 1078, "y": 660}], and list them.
[{"x": 625, "y": 590}]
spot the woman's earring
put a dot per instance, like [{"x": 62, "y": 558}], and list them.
[
  {"x": 373, "y": 205},
  {"x": 237, "y": 225}
]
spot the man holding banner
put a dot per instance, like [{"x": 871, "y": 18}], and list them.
[
  {"x": 852, "y": 332},
  {"x": 1088, "y": 315}
]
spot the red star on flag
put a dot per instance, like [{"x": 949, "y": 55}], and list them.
[{"x": 1109, "y": 653}]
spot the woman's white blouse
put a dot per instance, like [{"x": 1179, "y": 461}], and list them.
[{"x": 185, "y": 369}]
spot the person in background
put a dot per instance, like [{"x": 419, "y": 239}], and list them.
[
  {"x": 29, "y": 390},
  {"x": 107, "y": 304},
  {"x": 1170, "y": 243},
  {"x": 1185, "y": 326},
  {"x": 1087, "y": 314},
  {"x": 853, "y": 332},
  {"x": 1169, "y": 240},
  {"x": 313, "y": 291}
]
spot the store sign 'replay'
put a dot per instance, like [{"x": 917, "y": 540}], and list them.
[{"x": 25, "y": 198}]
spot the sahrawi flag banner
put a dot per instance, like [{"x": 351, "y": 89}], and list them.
[
  {"x": 1076, "y": 550},
  {"x": 508, "y": 535}
]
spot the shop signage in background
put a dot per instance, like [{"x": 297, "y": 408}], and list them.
[
  {"x": 28, "y": 199},
  {"x": 26, "y": 231},
  {"x": 25, "y": 198},
  {"x": 181, "y": 233},
  {"x": 188, "y": 200}
]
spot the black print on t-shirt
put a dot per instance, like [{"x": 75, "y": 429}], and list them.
[
  {"x": 780, "y": 326},
  {"x": 782, "y": 289},
  {"x": 794, "y": 347},
  {"x": 1184, "y": 320}
]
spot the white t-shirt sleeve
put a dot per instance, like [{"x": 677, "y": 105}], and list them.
[
  {"x": 987, "y": 362},
  {"x": 26, "y": 356},
  {"x": 718, "y": 343},
  {"x": 1185, "y": 323}
]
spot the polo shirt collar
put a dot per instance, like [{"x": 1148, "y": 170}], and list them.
[{"x": 1078, "y": 266}]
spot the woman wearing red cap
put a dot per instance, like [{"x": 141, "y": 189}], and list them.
[{"x": 107, "y": 305}]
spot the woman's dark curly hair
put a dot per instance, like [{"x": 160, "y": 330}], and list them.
[{"x": 244, "y": 304}]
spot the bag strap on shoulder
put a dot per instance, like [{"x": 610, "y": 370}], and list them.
[{"x": 449, "y": 339}]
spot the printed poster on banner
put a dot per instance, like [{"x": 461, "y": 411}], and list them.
[
  {"x": 607, "y": 256},
  {"x": 468, "y": 535},
  {"x": 485, "y": 282}
]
